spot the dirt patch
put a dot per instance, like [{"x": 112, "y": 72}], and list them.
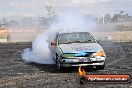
[{"x": 14, "y": 73}]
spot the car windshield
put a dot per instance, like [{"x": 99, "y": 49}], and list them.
[{"x": 81, "y": 37}]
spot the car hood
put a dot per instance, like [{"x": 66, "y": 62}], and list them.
[{"x": 80, "y": 47}]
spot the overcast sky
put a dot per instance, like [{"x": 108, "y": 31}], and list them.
[{"x": 36, "y": 7}]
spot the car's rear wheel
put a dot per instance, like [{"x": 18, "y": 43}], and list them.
[{"x": 101, "y": 67}]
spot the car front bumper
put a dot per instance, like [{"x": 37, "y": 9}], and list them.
[
  {"x": 81, "y": 64},
  {"x": 82, "y": 61}
]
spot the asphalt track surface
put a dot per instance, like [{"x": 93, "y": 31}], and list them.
[{"x": 14, "y": 73}]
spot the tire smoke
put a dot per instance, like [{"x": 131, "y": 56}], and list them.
[{"x": 40, "y": 52}]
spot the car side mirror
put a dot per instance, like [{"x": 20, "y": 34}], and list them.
[
  {"x": 53, "y": 43},
  {"x": 98, "y": 41}
]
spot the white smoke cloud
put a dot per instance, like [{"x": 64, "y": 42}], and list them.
[
  {"x": 73, "y": 21},
  {"x": 40, "y": 52}
]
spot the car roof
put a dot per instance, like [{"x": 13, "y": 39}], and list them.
[{"x": 72, "y": 31}]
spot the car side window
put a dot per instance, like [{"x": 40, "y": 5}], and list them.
[{"x": 57, "y": 37}]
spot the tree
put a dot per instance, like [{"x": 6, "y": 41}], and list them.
[
  {"x": 114, "y": 19},
  {"x": 107, "y": 18}
]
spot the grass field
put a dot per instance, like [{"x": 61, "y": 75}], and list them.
[
  {"x": 3, "y": 33},
  {"x": 119, "y": 34}
]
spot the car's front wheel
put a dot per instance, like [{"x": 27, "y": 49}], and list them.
[
  {"x": 57, "y": 63},
  {"x": 58, "y": 66}
]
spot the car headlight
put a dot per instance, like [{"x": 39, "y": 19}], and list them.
[{"x": 100, "y": 53}]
